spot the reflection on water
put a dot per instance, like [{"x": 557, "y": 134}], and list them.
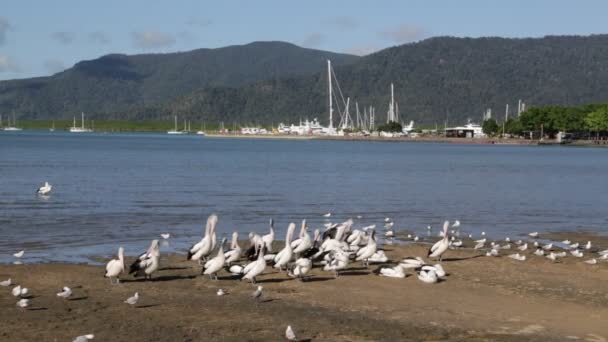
[{"x": 126, "y": 189}]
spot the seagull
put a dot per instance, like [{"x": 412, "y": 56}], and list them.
[
  {"x": 533, "y": 234},
  {"x": 548, "y": 247},
  {"x": 517, "y": 257},
  {"x": 604, "y": 252},
  {"x": 66, "y": 292},
  {"x": 115, "y": 267},
  {"x": 389, "y": 233},
  {"x": 493, "y": 252},
  {"x": 577, "y": 253},
  {"x": 290, "y": 335},
  {"x": 133, "y": 300},
  {"x": 483, "y": 233},
  {"x": 220, "y": 292},
  {"x": 84, "y": 338},
  {"x": 393, "y": 272},
  {"x": 45, "y": 189},
  {"x": 437, "y": 250},
  {"x": 551, "y": 256},
  {"x": 539, "y": 252},
  {"x": 19, "y": 291},
  {"x": 147, "y": 263},
  {"x": 591, "y": 261},
  {"x": 257, "y": 294},
  {"x": 523, "y": 247},
  {"x": 387, "y": 219},
  {"x": 574, "y": 246},
  {"x": 456, "y": 224},
  {"x": 19, "y": 254},
  {"x": 566, "y": 242},
  {"x": 416, "y": 238},
  {"x": 588, "y": 245},
  {"x": 6, "y": 282},
  {"x": 327, "y": 215},
  {"x": 23, "y": 303},
  {"x": 165, "y": 235}
]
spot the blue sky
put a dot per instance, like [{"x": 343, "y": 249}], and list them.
[{"x": 39, "y": 38}]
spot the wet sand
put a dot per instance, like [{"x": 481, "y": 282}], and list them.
[{"x": 481, "y": 299}]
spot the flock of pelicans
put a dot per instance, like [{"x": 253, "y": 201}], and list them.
[{"x": 334, "y": 250}]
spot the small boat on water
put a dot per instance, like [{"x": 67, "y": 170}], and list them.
[
  {"x": 175, "y": 131},
  {"x": 80, "y": 129},
  {"x": 12, "y": 128},
  {"x": 52, "y": 129}
]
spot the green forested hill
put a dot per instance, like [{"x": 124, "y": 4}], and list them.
[
  {"x": 113, "y": 83},
  {"x": 435, "y": 79}
]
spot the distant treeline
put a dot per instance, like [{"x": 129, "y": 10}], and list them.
[{"x": 587, "y": 119}]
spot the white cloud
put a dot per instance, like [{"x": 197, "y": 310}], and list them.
[
  {"x": 152, "y": 39},
  {"x": 4, "y": 27},
  {"x": 7, "y": 65},
  {"x": 313, "y": 40},
  {"x": 99, "y": 37},
  {"x": 362, "y": 50},
  {"x": 63, "y": 37},
  {"x": 54, "y": 65},
  {"x": 344, "y": 23},
  {"x": 404, "y": 33}
]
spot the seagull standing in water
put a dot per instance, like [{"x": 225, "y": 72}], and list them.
[
  {"x": 116, "y": 267},
  {"x": 437, "y": 250},
  {"x": 45, "y": 189}
]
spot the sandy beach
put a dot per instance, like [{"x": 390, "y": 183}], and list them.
[{"x": 481, "y": 299}]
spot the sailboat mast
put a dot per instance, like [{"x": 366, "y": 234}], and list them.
[
  {"x": 331, "y": 109},
  {"x": 175, "y": 117},
  {"x": 82, "y": 120}
]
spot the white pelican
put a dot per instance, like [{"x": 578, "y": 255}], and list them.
[
  {"x": 212, "y": 266},
  {"x": 147, "y": 263},
  {"x": 437, "y": 250},
  {"x": 19, "y": 254},
  {"x": 235, "y": 251},
  {"x": 300, "y": 268},
  {"x": 204, "y": 247},
  {"x": 378, "y": 257},
  {"x": 66, "y": 292},
  {"x": 338, "y": 261},
  {"x": 220, "y": 292},
  {"x": 19, "y": 291},
  {"x": 290, "y": 335},
  {"x": 533, "y": 234},
  {"x": 255, "y": 268},
  {"x": 366, "y": 252},
  {"x": 517, "y": 257},
  {"x": 591, "y": 261},
  {"x": 268, "y": 239},
  {"x": 6, "y": 282},
  {"x": 523, "y": 247},
  {"x": 393, "y": 272},
  {"x": 437, "y": 268},
  {"x": 429, "y": 277},
  {"x": 132, "y": 300},
  {"x": 297, "y": 241},
  {"x": 257, "y": 294},
  {"x": 539, "y": 252},
  {"x": 116, "y": 267},
  {"x": 305, "y": 242},
  {"x": 411, "y": 262},
  {"x": 84, "y": 338},
  {"x": 284, "y": 256},
  {"x": 45, "y": 189},
  {"x": 165, "y": 236},
  {"x": 23, "y": 303}
]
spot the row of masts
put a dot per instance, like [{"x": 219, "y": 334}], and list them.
[{"x": 521, "y": 107}]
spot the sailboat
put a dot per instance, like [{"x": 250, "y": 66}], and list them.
[
  {"x": 175, "y": 131},
  {"x": 13, "y": 128},
  {"x": 202, "y": 131},
  {"x": 80, "y": 129},
  {"x": 52, "y": 129}
]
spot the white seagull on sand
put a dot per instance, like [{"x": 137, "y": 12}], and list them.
[
  {"x": 133, "y": 299},
  {"x": 19, "y": 291},
  {"x": 6, "y": 282},
  {"x": 66, "y": 292},
  {"x": 84, "y": 338},
  {"x": 290, "y": 335},
  {"x": 23, "y": 303}
]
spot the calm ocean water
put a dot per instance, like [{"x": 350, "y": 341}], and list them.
[{"x": 126, "y": 189}]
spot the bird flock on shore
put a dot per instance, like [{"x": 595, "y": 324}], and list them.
[{"x": 334, "y": 250}]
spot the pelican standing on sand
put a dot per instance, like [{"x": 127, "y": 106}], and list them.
[
  {"x": 255, "y": 268},
  {"x": 212, "y": 266},
  {"x": 269, "y": 238},
  {"x": 116, "y": 267},
  {"x": 284, "y": 256},
  {"x": 366, "y": 252},
  {"x": 437, "y": 250},
  {"x": 204, "y": 247},
  {"x": 300, "y": 268},
  {"x": 147, "y": 263},
  {"x": 235, "y": 251}
]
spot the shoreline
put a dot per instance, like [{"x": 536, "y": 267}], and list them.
[{"x": 481, "y": 299}]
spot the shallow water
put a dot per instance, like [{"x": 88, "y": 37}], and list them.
[{"x": 126, "y": 189}]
